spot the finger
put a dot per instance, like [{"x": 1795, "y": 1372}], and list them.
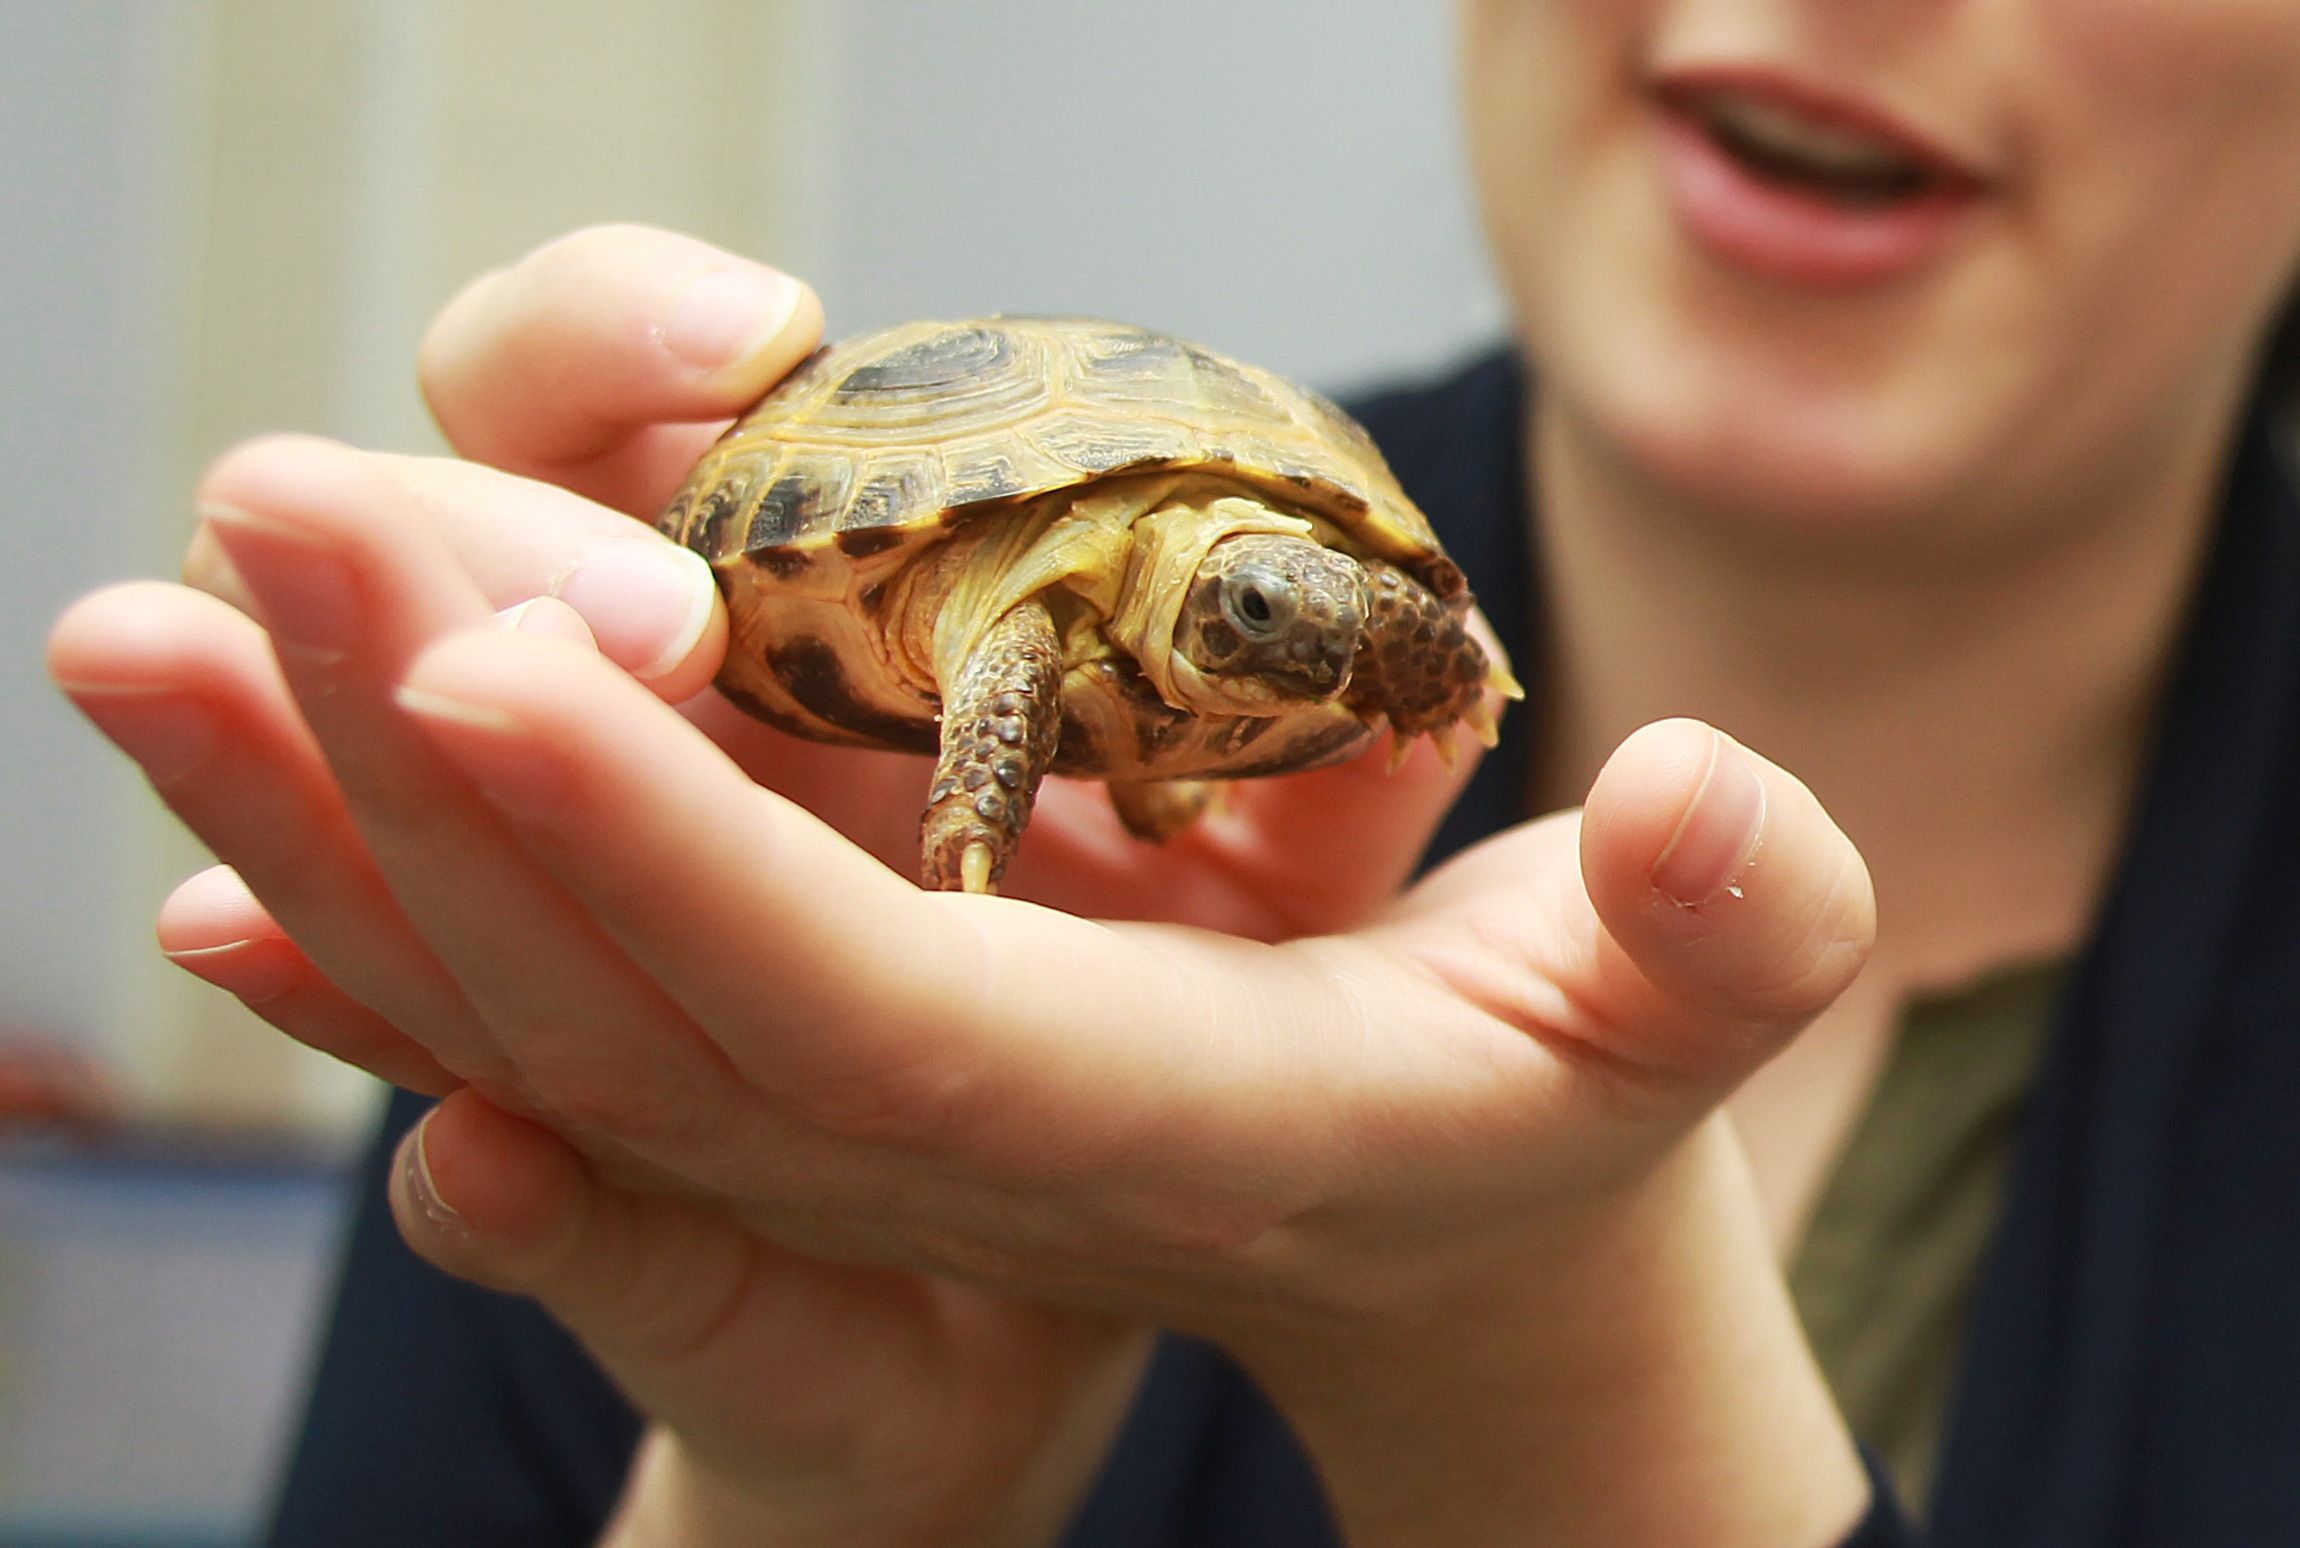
[
  {"x": 505, "y": 1203},
  {"x": 190, "y": 690},
  {"x": 671, "y": 1296},
  {"x": 350, "y": 587},
  {"x": 1718, "y": 909},
  {"x": 931, "y": 1023},
  {"x": 685, "y": 1309},
  {"x": 1726, "y": 886},
  {"x": 652, "y": 606},
  {"x": 694, "y": 831},
  {"x": 213, "y": 927},
  {"x": 602, "y": 360}
]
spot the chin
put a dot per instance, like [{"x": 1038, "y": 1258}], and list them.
[{"x": 1766, "y": 426}]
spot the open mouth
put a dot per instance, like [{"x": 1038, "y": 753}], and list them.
[
  {"x": 1814, "y": 149},
  {"x": 1799, "y": 184}
]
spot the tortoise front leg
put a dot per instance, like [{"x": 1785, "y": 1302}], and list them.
[
  {"x": 1001, "y": 720},
  {"x": 1420, "y": 666}
]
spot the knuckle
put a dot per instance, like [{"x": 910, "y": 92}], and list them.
[
  {"x": 925, "y": 1103},
  {"x": 586, "y": 248},
  {"x": 248, "y": 466},
  {"x": 643, "y": 1112},
  {"x": 445, "y": 346},
  {"x": 206, "y": 569}
]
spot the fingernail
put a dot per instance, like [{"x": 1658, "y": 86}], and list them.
[
  {"x": 546, "y": 616},
  {"x": 491, "y": 748},
  {"x": 422, "y": 1191},
  {"x": 729, "y": 315},
  {"x": 168, "y": 735},
  {"x": 255, "y": 970},
  {"x": 647, "y": 602},
  {"x": 302, "y": 591},
  {"x": 1718, "y": 835}
]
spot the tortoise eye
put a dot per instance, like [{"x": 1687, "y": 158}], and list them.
[{"x": 1258, "y": 603}]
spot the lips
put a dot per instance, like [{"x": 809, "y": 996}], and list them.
[{"x": 1789, "y": 183}]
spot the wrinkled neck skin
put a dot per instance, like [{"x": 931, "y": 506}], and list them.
[
  {"x": 1975, "y": 714},
  {"x": 1117, "y": 562},
  {"x": 1169, "y": 544}
]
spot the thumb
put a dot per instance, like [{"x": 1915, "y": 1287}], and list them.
[
  {"x": 1732, "y": 909},
  {"x": 1681, "y": 928}
]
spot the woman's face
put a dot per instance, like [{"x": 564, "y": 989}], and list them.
[{"x": 1827, "y": 261}]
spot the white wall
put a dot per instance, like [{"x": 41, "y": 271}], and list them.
[
  {"x": 1278, "y": 178},
  {"x": 90, "y": 207},
  {"x": 229, "y": 215},
  {"x": 224, "y": 215}
]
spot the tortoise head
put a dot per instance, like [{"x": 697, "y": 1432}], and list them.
[{"x": 1271, "y": 621}]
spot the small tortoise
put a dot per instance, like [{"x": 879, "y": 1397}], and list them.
[{"x": 1060, "y": 545}]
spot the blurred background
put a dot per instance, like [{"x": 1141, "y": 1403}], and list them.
[{"x": 226, "y": 216}]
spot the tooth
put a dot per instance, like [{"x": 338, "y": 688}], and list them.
[{"x": 1772, "y": 128}]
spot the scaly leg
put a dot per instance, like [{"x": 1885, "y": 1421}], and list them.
[
  {"x": 1419, "y": 666},
  {"x": 1001, "y": 720}
]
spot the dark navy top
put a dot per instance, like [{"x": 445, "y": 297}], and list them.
[{"x": 2133, "y": 1369}]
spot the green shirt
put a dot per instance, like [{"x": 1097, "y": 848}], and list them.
[{"x": 1884, "y": 1277}]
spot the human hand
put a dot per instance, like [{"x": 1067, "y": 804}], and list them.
[
  {"x": 1457, "y": 1155},
  {"x": 561, "y": 373},
  {"x": 562, "y": 370}
]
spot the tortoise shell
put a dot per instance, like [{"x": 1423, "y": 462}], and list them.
[{"x": 889, "y": 440}]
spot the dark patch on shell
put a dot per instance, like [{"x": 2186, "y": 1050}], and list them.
[
  {"x": 790, "y": 505},
  {"x": 930, "y": 365},
  {"x": 707, "y": 525},
  {"x": 751, "y": 704},
  {"x": 1331, "y": 745},
  {"x": 890, "y": 498},
  {"x": 811, "y": 670},
  {"x": 981, "y": 481},
  {"x": 862, "y": 542},
  {"x": 1076, "y": 746},
  {"x": 783, "y": 563}
]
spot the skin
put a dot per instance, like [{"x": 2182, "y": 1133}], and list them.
[
  {"x": 1522, "y": 1226},
  {"x": 473, "y": 846},
  {"x": 1853, "y": 524}
]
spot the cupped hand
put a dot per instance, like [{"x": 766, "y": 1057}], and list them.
[
  {"x": 581, "y": 383},
  {"x": 595, "y": 372},
  {"x": 494, "y": 857}
]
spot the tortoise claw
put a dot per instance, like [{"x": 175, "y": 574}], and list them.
[
  {"x": 974, "y": 869},
  {"x": 1441, "y": 738},
  {"x": 1401, "y": 748},
  {"x": 1483, "y": 724},
  {"x": 1501, "y": 680}
]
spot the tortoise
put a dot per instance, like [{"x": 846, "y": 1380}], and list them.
[{"x": 1033, "y": 545}]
